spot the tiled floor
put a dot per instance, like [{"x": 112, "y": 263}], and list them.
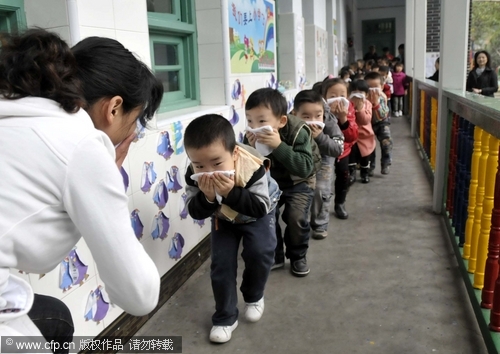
[{"x": 383, "y": 281}]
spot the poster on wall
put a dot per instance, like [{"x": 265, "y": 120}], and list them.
[{"x": 252, "y": 36}]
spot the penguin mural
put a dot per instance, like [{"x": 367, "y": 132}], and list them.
[
  {"x": 65, "y": 281},
  {"x": 176, "y": 245},
  {"x": 183, "y": 207},
  {"x": 234, "y": 116},
  {"x": 148, "y": 176},
  {"x": 241, "y": 137},
  {"x": 78, "y": 268},
  {"x": 160, "y": 195},
  {"x": 125, "y": 178},
  {"x": 174, "y": 183},
  {"x": 178, "y": 140},
  {"x": 91, "y": 306},
  {"x": 97, "y": 305},
  {"x": 160, "y": 227},
  {"x": 164, "y": 147},
  {"x": 139, "y": 132},
  {"x": 137, "y": 224},
  {"x": 272, "y": 82},
  {"x": 200, "y": 223},
  {"x": 236, "y": 90}
]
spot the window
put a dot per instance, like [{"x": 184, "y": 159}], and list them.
[
  {"x": 12, "y": 18},
  {"x": 174, "y": 56}
]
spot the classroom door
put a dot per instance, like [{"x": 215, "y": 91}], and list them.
[{"x": 380, "y": 33}]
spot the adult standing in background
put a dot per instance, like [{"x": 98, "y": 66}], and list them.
[
  {"x": 62, "y": 113},
  {"x": 401, "y": 51},
  {"x": 372, "y": 54},
  {"x": 482, "y": 78},
  {"x": 435, "y": 76}
]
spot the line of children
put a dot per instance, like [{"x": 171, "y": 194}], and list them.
[
  {"x": 242, "y": 191},
  {"x": 310, "y": 106}
]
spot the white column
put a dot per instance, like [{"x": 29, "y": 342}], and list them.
[
  {"x": 409, "y": 37},
  {"x": 419, "y": 50},
  {"x": 291, "y": 46},
  {"x": 316, "y": 40},
  {"x": 330, "y": 13},
  {"x": 453, "y": 66}
]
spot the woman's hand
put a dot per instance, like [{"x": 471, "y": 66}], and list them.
[
  {"x": 121, "y": 150},
  {"x": 475, "y": 90}
]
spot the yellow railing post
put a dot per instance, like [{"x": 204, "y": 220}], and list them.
[
  {"x": 422, "y": 117},
  {"x": 476, "y": 155},
  {"x": 489, "y": 194},
  {"x": 434, "y": 114},
  {"x": 478, "y": 210}
]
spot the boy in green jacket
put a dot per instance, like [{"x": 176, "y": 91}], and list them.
[{"x": 286, "y": 141}]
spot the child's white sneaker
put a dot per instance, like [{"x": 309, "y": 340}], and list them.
[
  {"x": 254, "y": 310},
  {"x": 222, "y": 334}
]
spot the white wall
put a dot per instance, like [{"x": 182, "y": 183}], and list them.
[{"x": 397, "y": 12}]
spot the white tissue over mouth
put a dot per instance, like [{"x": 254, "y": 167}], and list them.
[
  {"x": 358, "y": 95},
  {"x": 344, "y": 100},
  {"x": 315, "y": 122},
  {"x": 196, "y": 176},
  {"x": 261, "y": 148}
]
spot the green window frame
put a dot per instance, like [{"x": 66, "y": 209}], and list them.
[
  {"x": 174, "y": 54},
  {"x": 12, "y": 16}
]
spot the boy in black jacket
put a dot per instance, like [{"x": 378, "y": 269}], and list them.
[{"x": 230, "y": 183}]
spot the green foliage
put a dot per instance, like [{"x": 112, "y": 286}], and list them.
[{"x": 484, "y": 30}]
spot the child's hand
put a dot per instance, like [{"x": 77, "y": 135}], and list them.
[
  {"x": 223, "y": 184},
  {"x": 316, "y": 130},
  {"x": 271, "y": 139},
  {"x": 406, "y": 92},
  {"x": 251, "y": 138},
  {"x": 374, "y": 97},
  {"x": 340, "y": 111},
  {"x": 358, "y": 103},
  {"x": 206, "y": 185}
]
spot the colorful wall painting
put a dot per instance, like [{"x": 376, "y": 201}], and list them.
[{"x": 252, "y": 36}]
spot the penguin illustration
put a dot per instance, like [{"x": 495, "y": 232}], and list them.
[
  {"x": 125, "y": 178},
  {"x": 241, "y": 137},
  {"x": 176, "y": 245},
  {"x": 179, "y": 142},
  {"x": 236, "y": 90},
  {"x": 174, "y": 184},
  {"x": 91, "y": 307},
  {"x": 234, "y": 116},
  {"x": 81, "y": 268},
  {"x": 183, "y": 207},
  {"x": 102, "y": 304},
  {"x": 164, "y": 147},
  {"x": 160, "y": 196},
  {"x": 148, "y": 176},
  {"x": 65, "y": 281},
  {"x": 137, "y": 224},
  {"x": 201, "y": 223},
  {"x": 164, "y": 223}
]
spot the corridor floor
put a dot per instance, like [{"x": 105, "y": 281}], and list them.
[{"x": 383, "y": 281}]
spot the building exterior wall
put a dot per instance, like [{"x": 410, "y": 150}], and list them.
[{"x": 433, "y": 25}]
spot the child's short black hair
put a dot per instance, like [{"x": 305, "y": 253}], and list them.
[
  {"x": 398, "y": 64},
  {"x": 359, "y": 85},
  {"x": 373, "y": 75},
  {"x": 383, "y": 69},
  {"x": 343, "y": 73},
  {"x": 307, "y": 96},
  {"x": 317, "y": 87},
  {"x": 370, "y": 62},
  {"x": 329, "y": 83},
  {"x": 208, "y": 129},
  {"x": 269, "y": 98},
  {"x": 375, "y": 66}
]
